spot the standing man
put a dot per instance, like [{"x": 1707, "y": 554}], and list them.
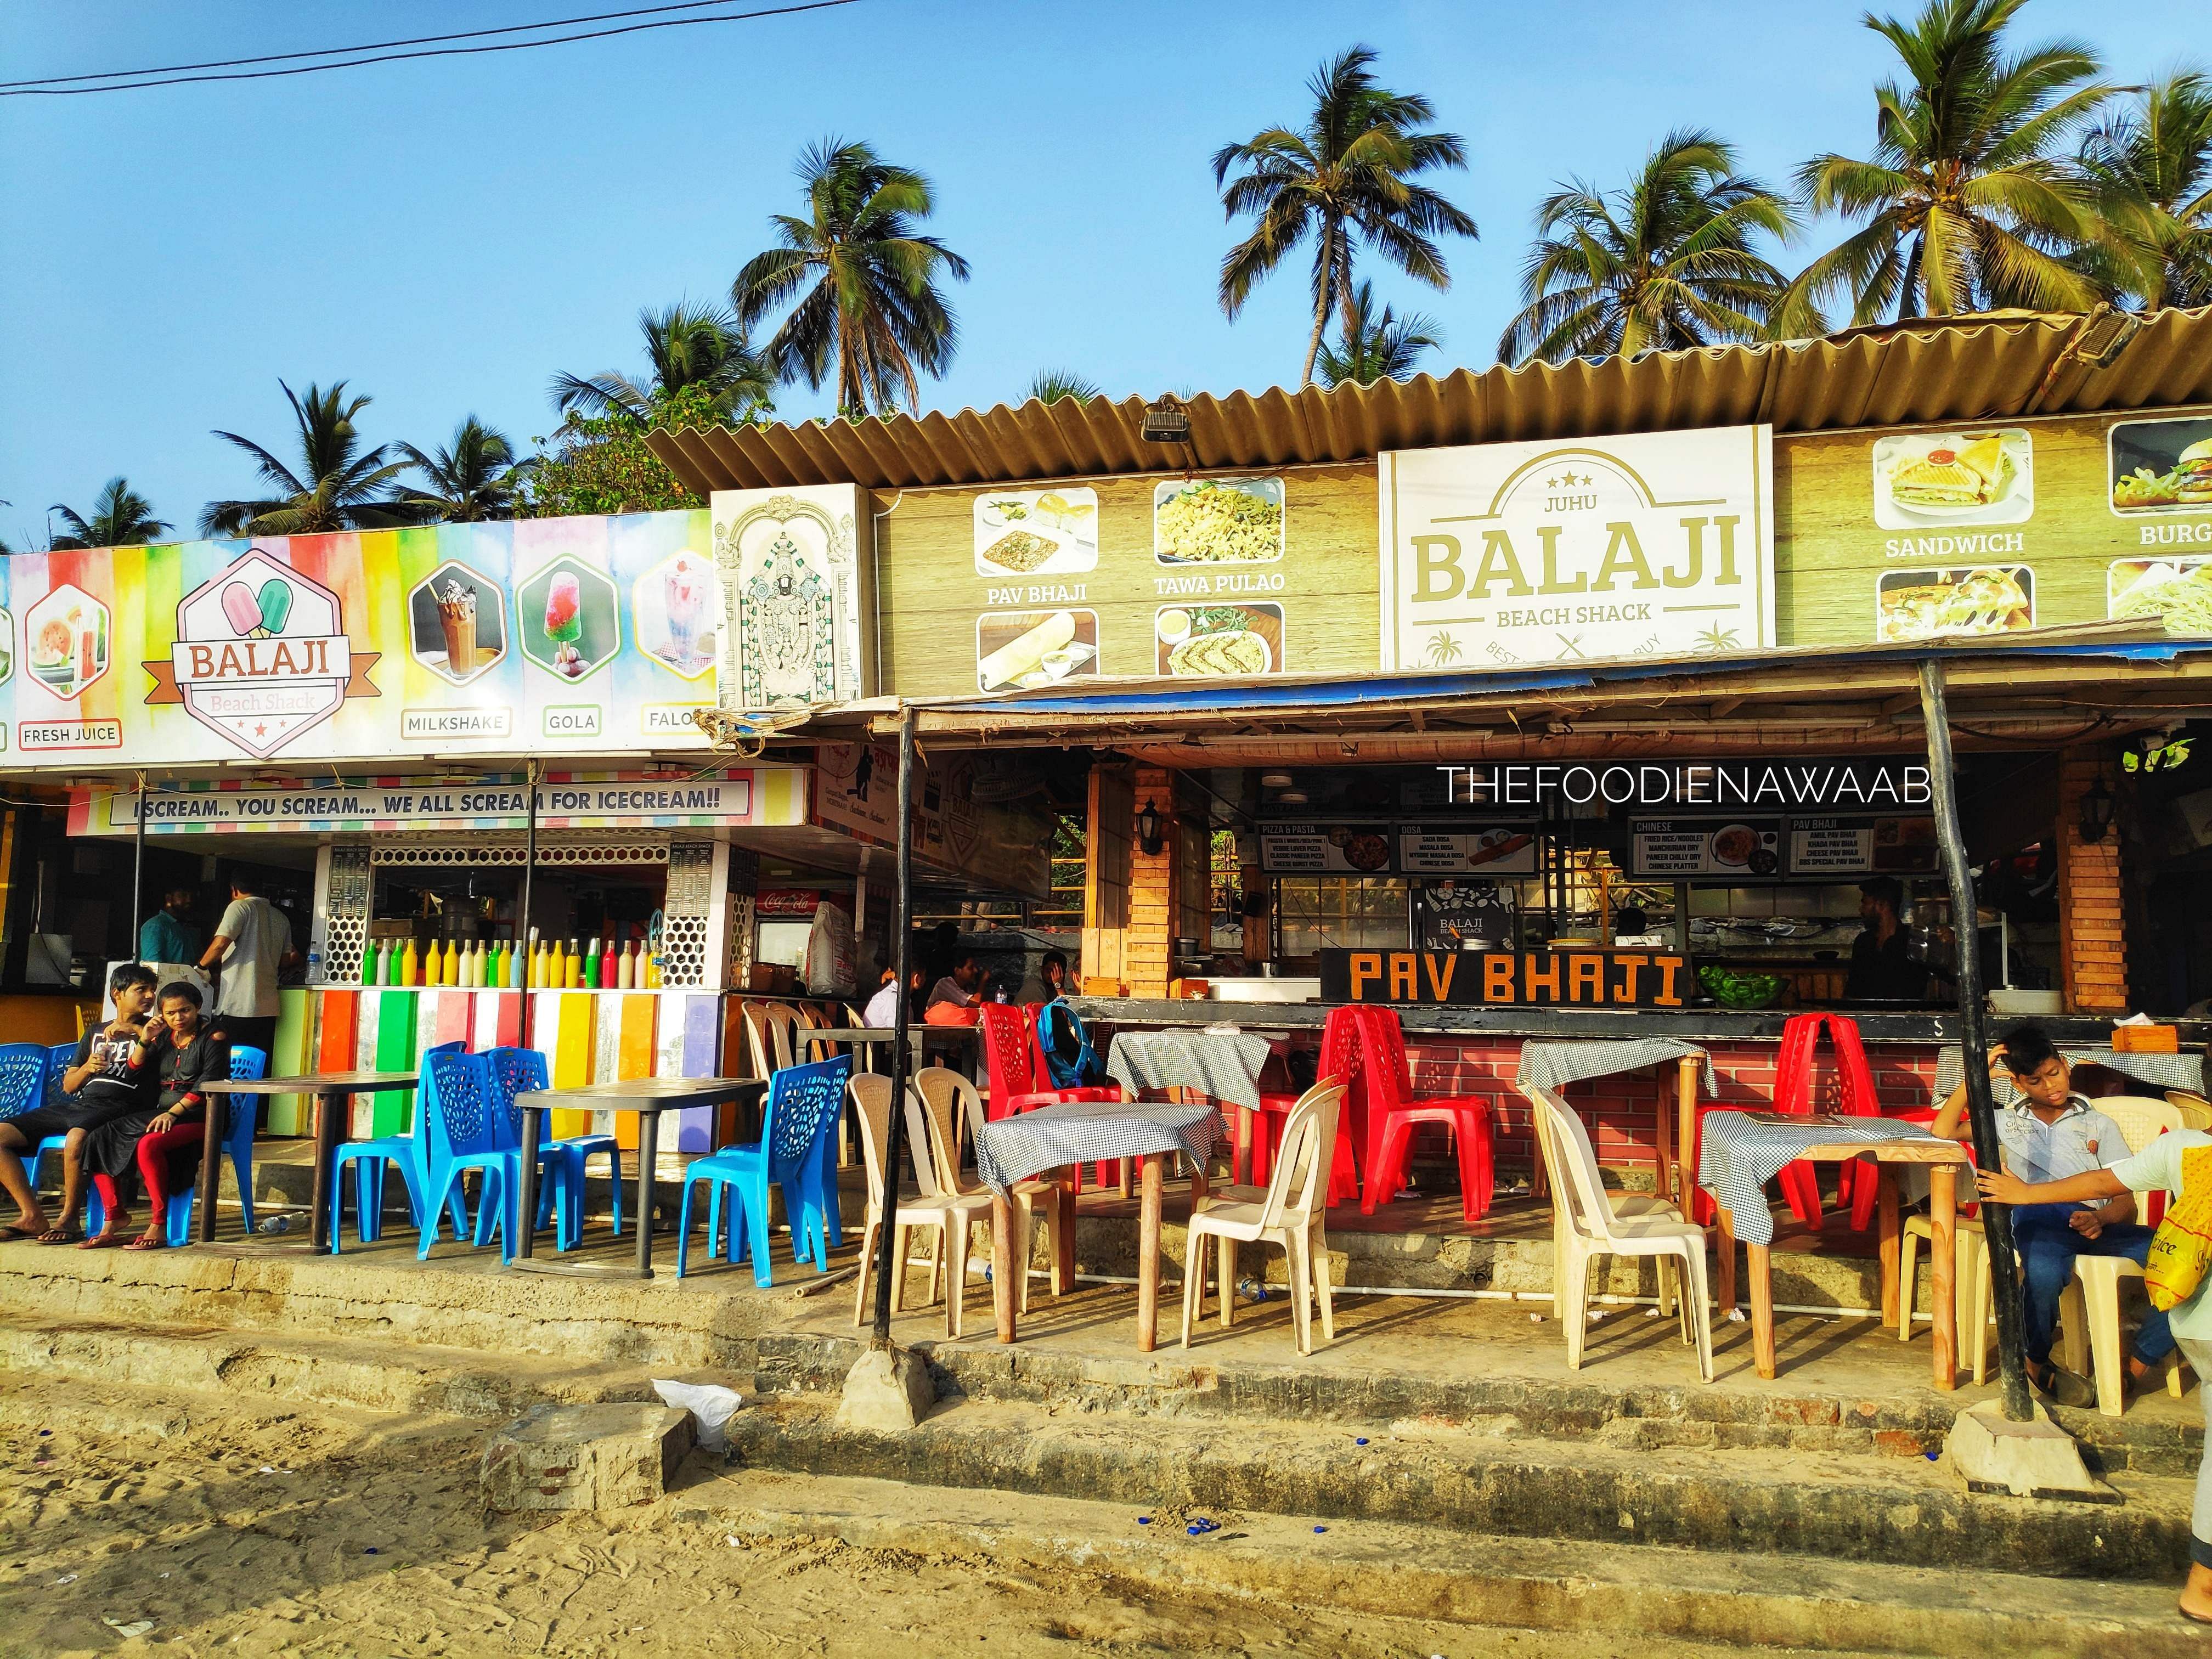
[
  {"x": 1882, "y": 971},
  {"x": 2052, "y": 1135},
  {"x": 252, "y": 942},
  {"x": 2164, "y": 1164},
  {"x": 167, "y": 935}
]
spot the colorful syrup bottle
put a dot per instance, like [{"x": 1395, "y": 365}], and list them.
[
  {"x": 380, "y": 971},
  {"x": 625, "y": 969},
  {"x": 591, "y": 965},
  {"x": 556, "y": 967},
  {"x": 608, "y": 968},
  {"x": 410, "y": 965},
  {"x": 575, "y": 980},
  {"x": 513, "y": 976}
]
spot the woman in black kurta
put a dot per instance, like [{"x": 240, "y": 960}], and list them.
[{"x": 148, "y": 1144}]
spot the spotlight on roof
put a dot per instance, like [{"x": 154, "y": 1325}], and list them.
[{"x": 1166, "y": 422}]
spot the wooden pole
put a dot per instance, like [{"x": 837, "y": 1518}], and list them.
[
  {"x": 138, "y": 879},
  {"x": 891, "y": 1264},
  {"x": 522, "y": 911},
  {"x": 1974, "y": 1041}
]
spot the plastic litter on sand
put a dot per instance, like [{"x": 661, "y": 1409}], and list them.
[
  {"x": 1735, "y": 1315},
  {"x": 126, "y": 1630},
  {"x": 1359, "y": 1440},
  {"x": 1144, "y": 1519},
  {"x": 1321, "y": 1528}
]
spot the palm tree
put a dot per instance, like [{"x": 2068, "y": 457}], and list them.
[
  {"x": 1349, "y": 170},
  {"x": 685, "y": 348},
  {"x": 1663, "y": 263},
  {"x": 2151, "y": 167},
  {"x": 121, "y": 517},
  {"x": 473, "y": 478},
  {"x": 1968, "y": 205},
  {"x": 339, "y": 485},
  {"x": 1051, "y": 384},
  {"x": 864, "y": 281},
  {"x": 1377, "y": 347}
]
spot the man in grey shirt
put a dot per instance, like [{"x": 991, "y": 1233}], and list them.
[{"x": 252, "y": 942}]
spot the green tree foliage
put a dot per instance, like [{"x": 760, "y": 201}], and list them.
[
  {"x": 2150, "y": 167},
  {"x": 1377, "y": 346},
  {"x": 602, "y": 463},
  {"x": 1969, "y": 203},
  {"x": 1050, "y": 385},
  {"x": 471, "y": 479},
  {"x": 337, "y": 484},
  {"x": 121, "y": 517},
  {"x": 862, "y": 281},
  {"x": 1347, "y": 171},
  {"x": 684, "y": 348},
  {"x": 1666, "y": 263}
]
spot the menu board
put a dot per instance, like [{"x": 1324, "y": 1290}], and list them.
[
  {"x": 1295, "y": 849},
  {"x": 1745, "y": 850},
  {"x": 1860, "y": 847},
  {"x": 1453, "y": 849}
]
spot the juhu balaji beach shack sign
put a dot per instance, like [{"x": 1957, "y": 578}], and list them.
[{"x": 1649, "y": 544}]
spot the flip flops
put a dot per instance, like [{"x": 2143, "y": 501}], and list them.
[
  {"x": 12, "y": 1232},
  {"x": 143, "y": 1243},
  {"x": 61, "y": 1235},
  {"x": 100, "y": 1242}
]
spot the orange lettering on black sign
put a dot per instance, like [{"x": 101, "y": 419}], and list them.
[
  {"x": 1547, "y": 981},
  {"x": 1403, "y": 986},
  {"x": 1586, "y": 979},
  {"x": 1365, "y": 965},
  {"x": 1668, "y": 967},
  {"x": 1631, "y": 966},
  {"x": 1497, "y": 976}
]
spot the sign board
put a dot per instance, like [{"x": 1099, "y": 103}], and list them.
[
  {"x": 756, "y": 796},
  {"x": 1744, "y": 851},
  {"x": 1863, "y": 847},
  {"x": 566, "y": 636},
  {"x": 1297, "y": 849},
  {"x": 1648, "y": 544},
  {"x": 1458, "y": 849},
  {"x": 1773, "y": 784},
  {"x": 794, "y": 599},
  {"x": 1521, "y": 979},
  {"x": 1439, "y": 847}
]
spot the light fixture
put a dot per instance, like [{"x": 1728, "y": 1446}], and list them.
[
  {"x": 1166, "y": 422},
  {"x": 1292, "y": 798},
  {"x": 2097, "y": 806},
  {"x": 1274, "y": 780},
  {"x": 1148, "y": 830}
]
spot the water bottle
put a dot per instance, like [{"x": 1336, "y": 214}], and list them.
[
  {"x": 314, "y": 967},
  {"x": 275, "y": 1224},
  {"x": 1251, "y": 1290}
]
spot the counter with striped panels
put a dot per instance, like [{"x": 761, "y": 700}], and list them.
[{"x": 587, "y": 1036}]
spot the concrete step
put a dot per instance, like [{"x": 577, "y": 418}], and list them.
[
  {"x": 377, "y": 1377},
  {"x": 1626, "y": 1597},
  {"x": 1896, "y": 1512}
]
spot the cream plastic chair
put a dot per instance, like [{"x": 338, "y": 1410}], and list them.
[
  {"x": 2089, "y": 1312},
  {"x": 950, "y": 1214},
  {"x": 2195, "y": 1111},
  {"x": 1291, "y": 1214},
  {"x": 1594, "y": 1229},
  {"x": 770, "y": 1030},
  {"x": 1625, "y": 1206},
  {"x": 956, "y": 1112}
]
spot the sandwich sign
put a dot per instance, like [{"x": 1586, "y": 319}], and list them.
[{"x": 1649, "y": 544}]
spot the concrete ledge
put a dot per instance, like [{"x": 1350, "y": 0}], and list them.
[{"x": 584, "y": 1458}]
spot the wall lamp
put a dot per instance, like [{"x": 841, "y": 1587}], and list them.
[
  {"x": 1166, "y": 422},
  {"x": 1148, "y": 830},
  {"x": 2097, "y": 805}
]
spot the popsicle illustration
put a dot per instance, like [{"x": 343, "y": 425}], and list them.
[
  {"x": 275, "y": 605},
  {"x": 564, "y": 623},
  {"x": 240, "y": 609}
]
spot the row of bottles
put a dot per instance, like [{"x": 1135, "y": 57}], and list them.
[{"x": 597, "y": 965}]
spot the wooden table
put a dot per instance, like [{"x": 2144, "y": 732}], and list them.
[
  {"x": 1943, "y": 1160},
  {"x": 333, "y": 1091},
  {"x": 649, "y": 1097}
]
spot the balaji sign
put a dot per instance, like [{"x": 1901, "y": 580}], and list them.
[
  {"x": 1651, "y": 544},
  {"x": 261, "y": 655},
  {"x": 1497, "y": 979}
]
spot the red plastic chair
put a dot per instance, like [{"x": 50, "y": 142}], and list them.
[
  {"x": 1016, "y": 1059},
  {"x": 1393, "y": 1109},
  {"x": 1793, "y": 1095},
  {"x": 1339, "y": 1059}
]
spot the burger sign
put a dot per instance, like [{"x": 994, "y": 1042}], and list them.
[{"x": 261, "y": 655}]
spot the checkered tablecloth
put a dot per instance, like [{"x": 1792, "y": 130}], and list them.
[
  {"x": 1083, "y": 1131},
  {"x": 2156, "y": 1072},
  {"x": 1224, "y": 1065},
  {"x": 1739, "y": 1155},
  {"x": 1548, "y": 1065}
]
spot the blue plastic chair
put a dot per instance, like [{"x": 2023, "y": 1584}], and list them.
[
  {"x": 407, "y": 1153},
  {"x": 462, "y": 1119},
  {"x": 247, "y": 1062},
  {"x": 523, "y": 1071},
  {"x": 802, "y": 1110},
  {"x": 49, "y": 1092}
]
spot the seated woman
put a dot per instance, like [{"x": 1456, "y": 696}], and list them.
[{"x": 144, "y": 1143}]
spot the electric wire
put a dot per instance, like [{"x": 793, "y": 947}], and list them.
[{"x": 35, "y": 90}]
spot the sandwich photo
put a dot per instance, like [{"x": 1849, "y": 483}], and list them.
[
  {"x": 1952, "y": 477},
  {"x": 2160, "y": 467}
]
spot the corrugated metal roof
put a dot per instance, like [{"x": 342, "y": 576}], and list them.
[{"x": 1924, "y": 372}]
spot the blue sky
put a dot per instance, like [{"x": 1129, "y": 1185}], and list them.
[{"x": 446, "y": 235}]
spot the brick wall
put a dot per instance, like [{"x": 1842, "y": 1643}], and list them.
[
  {"x": 2089, "y": 931},
  {"x": 1153, "y": 894}
]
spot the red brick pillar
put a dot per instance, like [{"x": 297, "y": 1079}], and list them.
[{"x": 2090, "y": 938}]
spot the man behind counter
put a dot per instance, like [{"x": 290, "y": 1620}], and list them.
[{"x": 1882, "y": 971}]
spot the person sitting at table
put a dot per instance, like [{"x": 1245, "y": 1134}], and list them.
[
  {"x": 1882, "y": 970},
  {"x": 959, "y": 985},
  {"x": 2052, "y": 1133},
  {"x": 2160, "y": 1165},
  {"x": 107, "y": 1077},
  {"x": 181, "y": 1056},
  {"x": 882, "y": 1012}
]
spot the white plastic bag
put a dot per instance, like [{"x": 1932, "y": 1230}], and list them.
[{"x": 711, "y": 1408}]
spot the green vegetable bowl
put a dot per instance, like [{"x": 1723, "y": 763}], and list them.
[{"x": 1732, "y": 989}]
